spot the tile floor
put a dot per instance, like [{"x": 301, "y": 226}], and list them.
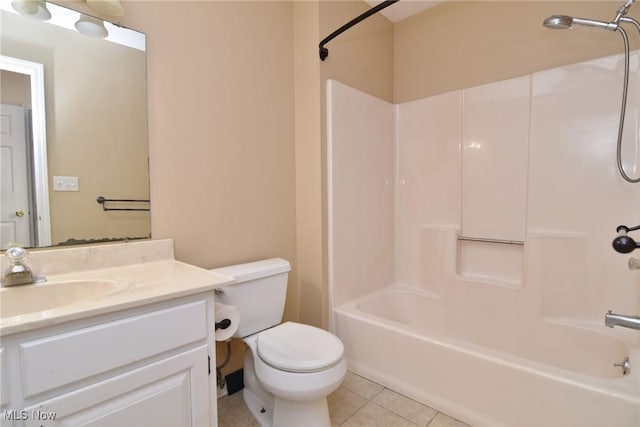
[{"x": 358, "y": 402}]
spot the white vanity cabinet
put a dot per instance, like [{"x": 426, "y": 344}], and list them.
[{"x": 148, "y": 365}]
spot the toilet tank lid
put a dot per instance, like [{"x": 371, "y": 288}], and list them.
[{"x": 255, "y": 270}]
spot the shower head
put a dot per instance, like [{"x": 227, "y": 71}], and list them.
[
  {"x": 558, "y": 22},
  {"x": 563, "y": 22}
]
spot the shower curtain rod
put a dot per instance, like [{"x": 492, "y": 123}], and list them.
[{"x": 324, "y": 52}]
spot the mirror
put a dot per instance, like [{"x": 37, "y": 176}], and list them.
[{"x": 73, "y": 129}]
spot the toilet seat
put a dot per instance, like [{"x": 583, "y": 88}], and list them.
[{"x": 294, "y": 347}]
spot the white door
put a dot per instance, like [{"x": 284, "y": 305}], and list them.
[{"x": 14, "y": 197}]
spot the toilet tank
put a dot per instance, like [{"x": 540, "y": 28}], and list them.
[{"x": 259, "y": 293}]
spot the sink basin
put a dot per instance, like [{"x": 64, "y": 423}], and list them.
[{"x": 18, "y": 300}]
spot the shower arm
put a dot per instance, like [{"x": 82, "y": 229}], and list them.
[{"x": 622, "y": 11}]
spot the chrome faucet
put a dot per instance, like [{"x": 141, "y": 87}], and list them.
[
  {"x": 18, "y": 273},
  {"x": 613, "y": 319}
]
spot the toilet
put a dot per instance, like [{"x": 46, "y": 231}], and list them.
[{"x": 290, "y": 368}]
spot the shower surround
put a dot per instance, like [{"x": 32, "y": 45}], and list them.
[{"x": 494, "y": 333}]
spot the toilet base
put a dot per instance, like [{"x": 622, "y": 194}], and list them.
[
  {"x": 259, "y": 401},
  {"x": 290, "y": 413},
  {"x": 273, "y": 411},
  {"x": 262, "y": 412},
  {"x": 287, "y": 413}
]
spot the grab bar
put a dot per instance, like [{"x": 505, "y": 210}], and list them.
[
  {"x": 104, "y": 201},
  {"x": 483, "y": 240}
]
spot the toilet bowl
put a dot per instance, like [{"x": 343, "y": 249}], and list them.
[
  {"x": 299, "y": 376},
  {"x": 289, "y": 368}
]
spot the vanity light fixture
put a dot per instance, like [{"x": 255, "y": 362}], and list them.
[
  {"x": 36, "y": 9},
  {"x": 90, "y": 26},
  {"x": 67, "y": 18}
]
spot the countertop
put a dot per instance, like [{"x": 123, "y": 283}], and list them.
[{"x": 128, "y": 286}]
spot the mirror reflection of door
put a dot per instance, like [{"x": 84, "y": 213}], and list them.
[
  {"x": 15, "y": 213},
  {"x": 24, "y": 202}
]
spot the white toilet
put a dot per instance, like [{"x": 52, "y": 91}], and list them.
[{"x": 291, "y": 368}]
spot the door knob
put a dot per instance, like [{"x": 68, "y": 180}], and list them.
[{"x": 19, "y": 213}]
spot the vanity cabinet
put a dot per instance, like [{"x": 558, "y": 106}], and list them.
[{"x": 148, "y": 365}]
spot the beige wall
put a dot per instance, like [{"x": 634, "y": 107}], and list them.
[
  {"x": 308, "y": 161},
  {"x": 15, "y": 88},
  {"x": 221, "y": 124},
  {"x": 465, "y": 43},
  {"x": 221, "y": 128}
]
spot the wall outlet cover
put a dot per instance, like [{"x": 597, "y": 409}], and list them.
[{"x": 66, "y": 183}]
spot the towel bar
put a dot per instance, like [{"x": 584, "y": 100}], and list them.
[{"x": 104, "y": 201}]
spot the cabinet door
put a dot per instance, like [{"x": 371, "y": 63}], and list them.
[
  {"x": 170, "y": 392},
  {"x": 4, "y": 392}
]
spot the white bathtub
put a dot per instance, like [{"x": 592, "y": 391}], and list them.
[{"x": 490, "y": 369}]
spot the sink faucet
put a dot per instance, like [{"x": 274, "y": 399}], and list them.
[
  {"x": 612, "y": 319},
  {"x": 18, "y": 273}
]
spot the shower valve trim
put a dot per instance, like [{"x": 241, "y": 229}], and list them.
[{"x": 623, "y": 243}]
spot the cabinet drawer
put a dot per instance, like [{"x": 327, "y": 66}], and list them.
[{"x": 62, "y": 359}]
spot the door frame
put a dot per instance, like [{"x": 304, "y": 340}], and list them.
[{"x": 39, "y": 140}]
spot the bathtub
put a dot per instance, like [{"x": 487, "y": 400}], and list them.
[{"x": 491, "y": 369}]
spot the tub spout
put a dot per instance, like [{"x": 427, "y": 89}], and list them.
[{"x": 613, "y": 319}]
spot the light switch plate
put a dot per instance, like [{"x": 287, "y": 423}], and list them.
[{"x": 65, "y": 183}]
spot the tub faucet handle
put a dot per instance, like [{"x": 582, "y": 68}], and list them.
[
  {"x": 634, "y": 263},
  {"x": 625, "y": 366}
]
